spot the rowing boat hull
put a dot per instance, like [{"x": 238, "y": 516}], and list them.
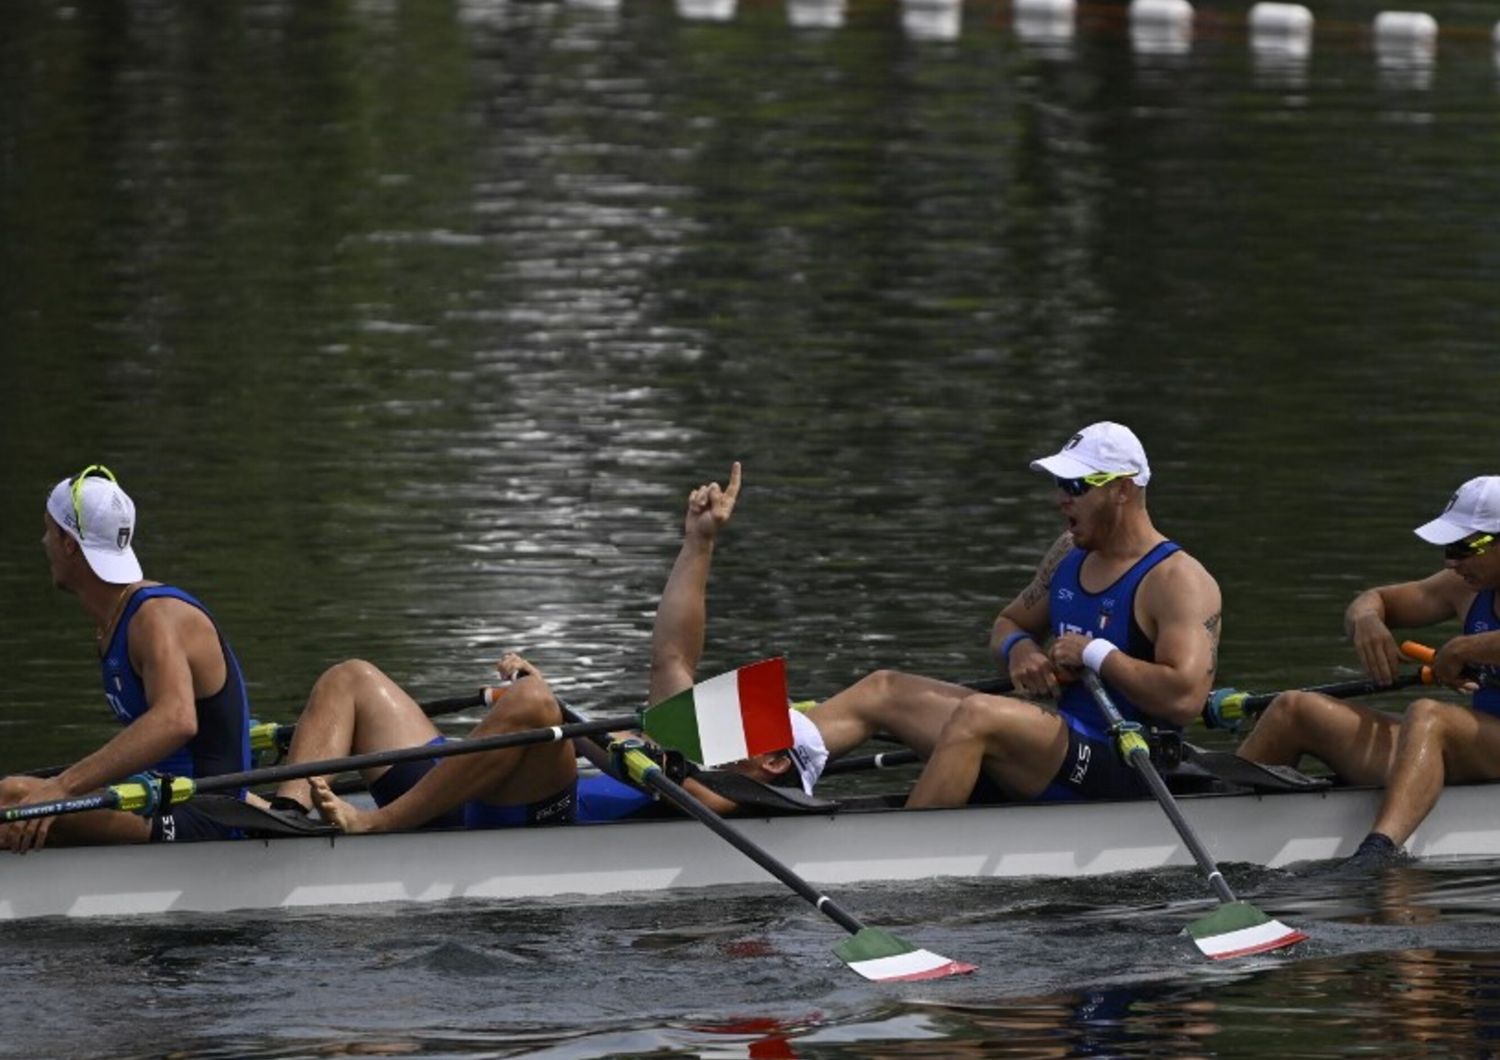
[{"x": 1048, "y": 840}]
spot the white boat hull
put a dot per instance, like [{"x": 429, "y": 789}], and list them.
[{"x": 1057, "y": 840}]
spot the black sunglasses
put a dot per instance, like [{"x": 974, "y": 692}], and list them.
[{"x": 1472, "y": 546}]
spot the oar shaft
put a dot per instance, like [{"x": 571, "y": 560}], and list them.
[
  {"x": 183, "y": 788},
  {"x": 301, "y": 770},
  {"x": 1340, "y": 689},
  {"x": 1139, "y": 756},
  {"x": 651, "y": 776}
]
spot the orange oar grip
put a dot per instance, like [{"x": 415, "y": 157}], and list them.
[
  {"x": 1418, "y": 652},
  {"x": 1428, "y": 677}
]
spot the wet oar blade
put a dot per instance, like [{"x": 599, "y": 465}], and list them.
[
  {"x": 1238, "y": 929},
  {"x": 885, "y": 958}
]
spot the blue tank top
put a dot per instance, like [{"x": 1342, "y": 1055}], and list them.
[
  {"x": 1109, "y": 614},
  {"x": 1483, "y": 619},
  {"x": 222, "y": 744}
]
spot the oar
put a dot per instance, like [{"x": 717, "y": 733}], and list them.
[
  {"x": 1236, "y": 928},
  {"x": 884, "y": 760},
  {"x": 876, "y": 954},
  {"x": 146, "y": 796},
  {"x": 1421, "y": 653},
  {"x": 271, "y": 736},
  {"x": 1226, "y": 708}
]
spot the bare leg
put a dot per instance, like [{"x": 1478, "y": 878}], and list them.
[
  {"x": 1354, "y": 741},
  {"x": 354, "y": 708},
  {"x": 512, "y": 776},
  {"x": 912, "y": 709},
  {"x": 1018, "y": 744},
  {"x": 1439, "y": 742}
]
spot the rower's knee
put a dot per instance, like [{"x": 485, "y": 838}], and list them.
[
  {"x": 1292, "y": 712},
  {"x": 347, "y": 678},
  {"x": 527, "y": 704},
  {"x": 1428, "y": 718},
  {"x": 978, "y": 717}
]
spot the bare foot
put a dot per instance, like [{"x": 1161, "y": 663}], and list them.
[{"x": 335, "y": 810}]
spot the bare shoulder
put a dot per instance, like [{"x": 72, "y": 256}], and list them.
[
  {"x": 1181, "y": 586},
  {"x": 164, "y": 623}
]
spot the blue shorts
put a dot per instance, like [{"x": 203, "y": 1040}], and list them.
[
  {"x": 603, "y": 798},
  {"x": 1091, "y": 769},
  {"x": 558, "y": 808},
  {"x": 403, "y": 776},
  {"x": 188, "y": 824}
]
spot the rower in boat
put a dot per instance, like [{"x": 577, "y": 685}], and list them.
[
  {"x": 1433, "y": 742},
  {"x": 356, "y": 708},
  {"x": 170, "y": 677},
  {"x": 1122, "y": 601}
]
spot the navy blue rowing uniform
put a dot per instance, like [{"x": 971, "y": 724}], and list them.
[
  {"x": 222, "y": 742},
  {"x": 1092, "y": 769},
  {"x": 1483, "y": 619}
]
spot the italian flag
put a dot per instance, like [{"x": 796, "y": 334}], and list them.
[{"x": 726, "y": 718}]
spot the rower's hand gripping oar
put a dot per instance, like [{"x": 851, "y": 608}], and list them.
[{"x": 1236, "y": 928}]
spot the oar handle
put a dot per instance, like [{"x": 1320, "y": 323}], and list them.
[
  {"x": 1136, "y": 751},
  {"x": 1422, "y": 653}
]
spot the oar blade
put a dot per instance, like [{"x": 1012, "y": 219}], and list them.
[
  {"x": 885, "y": 958},
  {"x": 1238, "y": 929}
]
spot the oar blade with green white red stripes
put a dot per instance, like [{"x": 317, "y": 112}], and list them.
[
  {"x": 1238, "y": 929},
  {"x": 885, "y": 958}
]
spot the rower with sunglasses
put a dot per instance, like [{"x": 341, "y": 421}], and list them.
[
  {"x": 1114, "y": 596},
  {"x": 1433, "y": 742},
  {"x": 169, "y": 676}
]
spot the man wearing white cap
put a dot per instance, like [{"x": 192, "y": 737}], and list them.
[
  {"x": 1434, "y": 742},
  {"x": 169, "y": 676},
  {"x": 1123, "y": 601}
]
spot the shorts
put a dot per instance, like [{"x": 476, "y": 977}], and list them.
[
  {"x": 1091, "y": 769},
  {"x": 403, "y": 776},
  {"x": 189, "y": 824},
  {"x": 558, "y": 808}
]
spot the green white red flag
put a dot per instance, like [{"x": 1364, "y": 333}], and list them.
[{"x": 726, "y": 718}]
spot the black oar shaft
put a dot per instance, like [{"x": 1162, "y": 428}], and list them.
[
  {"x": 302, "y": 770},
  {"x": 1337, "y": 689},
  {"x": 1139, "y": 756},
  {"x": 684, "y": 800}
]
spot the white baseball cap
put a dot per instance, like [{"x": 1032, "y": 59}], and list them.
[
  {"x": 1474, "y": 509},
  {"x": 1099, "y": 447},
  {"x": 100, "y": 516}
]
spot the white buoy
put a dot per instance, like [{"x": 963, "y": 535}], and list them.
[
  {"x": 1161, "y": 27},
  {"x": 1406, "y": 31},
  {"x": 1044, "y": 21},
  {"x": 1281, "y": 30},
  {"x": 931, "y": 19},
  {"x": 706, "y": 10},
  {"x": 815, "y": 14}
]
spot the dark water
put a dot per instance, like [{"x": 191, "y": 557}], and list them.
[{"x": 409, "y": 325}]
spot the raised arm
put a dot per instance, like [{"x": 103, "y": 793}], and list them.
[
  {"x": 677, "y": 634},
  {"x": 1022, "y": 624}
]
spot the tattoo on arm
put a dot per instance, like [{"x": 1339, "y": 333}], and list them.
[
  {"x": 1212, "y": 625},
  {"x": 1037, "y": 590}
]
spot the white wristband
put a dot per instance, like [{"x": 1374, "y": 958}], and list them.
[{"x": 1096, "y": 651}]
